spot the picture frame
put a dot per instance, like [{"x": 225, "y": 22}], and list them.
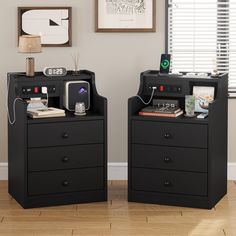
[
  {"x": 125, "y": 15},
  {"x": 204, "y": 95},
  {"x": 53, "y": 24}
]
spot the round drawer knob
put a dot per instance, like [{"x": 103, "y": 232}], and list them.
[
  {"x": 65, "y": 135},
  {"x": 167, "y": 183},
  {"x": 167, "y": 159},
  {"x": 167, "y": 135},
  {"x": 65, "y": 183},
  {"x": 65, "y": 159}
]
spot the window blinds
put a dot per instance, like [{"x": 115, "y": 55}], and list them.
[{"x": 202, "y": 36}]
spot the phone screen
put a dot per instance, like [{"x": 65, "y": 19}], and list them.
[{"x": 165, "y": 63}]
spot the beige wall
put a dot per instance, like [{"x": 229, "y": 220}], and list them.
[
  {"x": 117, "y": 59},
  {"x": 232, "y": 131}
]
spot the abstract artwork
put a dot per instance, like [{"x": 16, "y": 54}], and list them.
[
  {"x": 53, "y": 24},
  {"x": 125, "y": 15}
]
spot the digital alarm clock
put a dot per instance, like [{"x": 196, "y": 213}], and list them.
[{"x": 54, "y": 71}]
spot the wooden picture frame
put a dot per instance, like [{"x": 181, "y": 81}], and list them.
[
  {"x": 123, "y": 16},
  {"x": 53, "y": 24}
]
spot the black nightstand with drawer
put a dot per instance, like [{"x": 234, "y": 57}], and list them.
[
  {"x": 62, "y": 160},
  {"x": 178, "y": 161}
]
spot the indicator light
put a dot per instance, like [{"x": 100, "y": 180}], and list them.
[
  {"x": 161, "y": 88},
  {"x": 82, "y": 90},
  {"x": 36, "y": 89}
]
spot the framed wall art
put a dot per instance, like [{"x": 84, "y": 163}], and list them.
[
  {"x": 125, "y": 15},
  {"x": 53, "y": 24}
]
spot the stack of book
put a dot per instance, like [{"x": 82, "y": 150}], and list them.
[
  {"x": 45, "y": 113},
  {"x": 161, "y": 111}
]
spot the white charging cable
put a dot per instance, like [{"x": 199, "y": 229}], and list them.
[
  {"x": 45, "y": 91},
  {"x": 11, "y": 121},
  {"x": 147, "y": 103}
]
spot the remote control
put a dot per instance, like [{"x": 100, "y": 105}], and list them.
[{"x": 202, "y": 115}]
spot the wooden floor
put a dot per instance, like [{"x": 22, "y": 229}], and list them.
[{"x": 117, "y": 217}]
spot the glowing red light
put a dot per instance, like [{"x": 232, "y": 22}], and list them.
[{"x": 162, "y": 88}]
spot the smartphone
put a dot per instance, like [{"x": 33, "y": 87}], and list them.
[{"x": 165, "y": 63}]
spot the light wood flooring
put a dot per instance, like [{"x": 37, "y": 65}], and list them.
[{"x": 117, "y": 217}]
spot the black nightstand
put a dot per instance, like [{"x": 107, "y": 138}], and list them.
[
  {"x": 61, "y": 160},
  {"x": 178, "y": 161}
]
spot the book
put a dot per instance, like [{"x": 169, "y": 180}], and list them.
[
  {"x": 142, "y": 113},
  {"x": 46, "y": 116},
  {"x": 47, "y": 111},
  {"x": 166, "y": 110},
  {"x": 44, "y": 113},
  {"x": 203, "y": 96}
]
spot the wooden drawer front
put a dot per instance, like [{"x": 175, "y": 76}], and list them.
[
  {"x": 66, "y": 133},
  {"x": 66, "y": 157},
  {"x": 53, "y": 182},
  {"x": 169, "y": 181},
  {"x": 171, "y": 134},
  {"x": 173, "y": 158}
]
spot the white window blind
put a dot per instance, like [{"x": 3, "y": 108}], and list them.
[{"x": 202, "y": 36}]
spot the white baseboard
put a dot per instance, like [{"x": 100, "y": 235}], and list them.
[
  {"x": 119, "y": 171},
  {"x": 3, "y": 171},
  {"x": 232, "y": 171}
]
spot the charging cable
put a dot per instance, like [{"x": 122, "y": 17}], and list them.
[
  {"x": 11, "y": 121},
  {"x": 147, "y": 103},
  {"x": 45, "y": 91}
]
